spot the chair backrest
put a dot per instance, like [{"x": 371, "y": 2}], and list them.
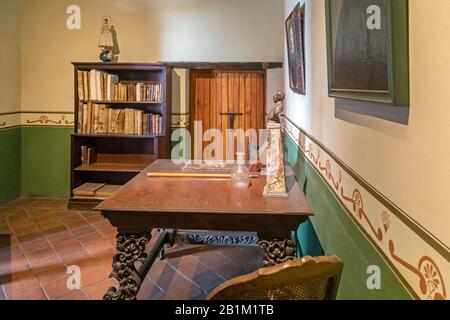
[{"x": 305, "y": 279}]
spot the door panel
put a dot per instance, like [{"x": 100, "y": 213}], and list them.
[{"x": 228, "y": 100}]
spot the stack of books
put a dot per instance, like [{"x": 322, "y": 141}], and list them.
[
  {"x": 96, "y": 85},
  {"x": 95, "y": 191},
  {"x": 87, "y": 155},
  {"x": 137, "y": 92},
  {"x": 101, "y": 119}
]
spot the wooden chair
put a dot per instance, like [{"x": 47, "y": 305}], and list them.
[{"x": 305, "y": 279}]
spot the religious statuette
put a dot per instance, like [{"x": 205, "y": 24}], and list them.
[
  {"x": 275, "y": 175},
  {"x": 106, "y": 42},
  {"x": 240, "y": 174}
]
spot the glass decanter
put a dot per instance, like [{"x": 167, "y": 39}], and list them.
[{"x": 240, "y": 174}]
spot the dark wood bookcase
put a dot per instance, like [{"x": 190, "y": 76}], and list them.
[{"x": 120, "y": 157}]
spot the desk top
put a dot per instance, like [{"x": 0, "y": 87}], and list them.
[{"x": 147, "y": 195}]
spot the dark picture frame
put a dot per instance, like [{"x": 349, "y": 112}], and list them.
[
  {"x": 295, "y": 41},
  {"x": 368, "y": 64}
]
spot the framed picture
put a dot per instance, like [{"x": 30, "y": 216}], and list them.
[
  {"x": 296, "y": 49},
  {"x": 367, "y": 47}
]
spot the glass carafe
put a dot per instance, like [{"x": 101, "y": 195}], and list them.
[{"x": 240, "y": 174}]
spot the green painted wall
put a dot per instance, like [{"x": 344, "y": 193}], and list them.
[
  {"x": 10, "y": 155},
  {"x": 338, "y": 235},
  {"x": 45, "y": 161}
]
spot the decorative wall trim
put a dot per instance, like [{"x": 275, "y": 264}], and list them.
[
  {"x": 36, "y": 118},
  {"x": 419, "y": 260}
]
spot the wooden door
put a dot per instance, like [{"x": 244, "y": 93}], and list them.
[{"x": 226, "y": 100}]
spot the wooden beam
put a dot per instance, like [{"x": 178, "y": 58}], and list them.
[{"x": 224, "y": 65}]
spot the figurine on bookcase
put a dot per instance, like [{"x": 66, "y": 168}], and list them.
[{"x": 106, "y": 41}]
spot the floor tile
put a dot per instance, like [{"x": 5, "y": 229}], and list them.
[
  {"x": 20, "y": 283},
  {"x": 228, "y": 270},
  {"x": 207, "y": 281},
  {"x": 33, "y": 294},
  {"x": 150, "y": 291},
  {"x": 190, "y": 267},
  {"x": 181, "y": 289},
  {"x": 104, "y": 259},
  {"x": 57, "y": 288},
  {"x": 210, "y": 258},
  {"x": 71, "y": 251},
  {"x": 158, "y": 269},
  {"x": 97, "y": 290},
  {"x": 74, "y": 295},
  {"x": 51, "y": 238},
  {"x": 50, "y": 274},
  {"x": 95, "y": 219},
  {"x": 2, "y": 294},
  {"x": 91, "y": 272},
  {"x": 83, "y": 231},
  {"x": 53, "y": 230},
  {"x": 20, "y": 202},
  {"x": 10, "y": 264},
  {"x": 34, "y": 245},
  {"x": 99, "y": 246},
  {"x": 54, "y": 239},
  {"x": 43, "y": 258},
  {"x": 90, "y": 238}
]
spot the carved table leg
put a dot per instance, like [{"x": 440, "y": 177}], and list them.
[
  {"x": 278, "y": 251},
  {"x": 130, "y": 248}
]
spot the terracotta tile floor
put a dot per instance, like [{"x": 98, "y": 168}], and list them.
[{"x": 40, "y": 239}]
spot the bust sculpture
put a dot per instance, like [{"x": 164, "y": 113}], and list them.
[
  {"x": 275, "y": 176},
  {"x": 274, "y": 115}
]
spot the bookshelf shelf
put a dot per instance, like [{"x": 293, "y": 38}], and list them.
[
  {"x": 116, "y": 136},
  {"x": 123, "y": 102},
  {"x": 113, "y": 167},
  {"x": 117, "y": 157}
]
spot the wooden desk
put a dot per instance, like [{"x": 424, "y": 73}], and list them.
[{"x": 147, "y": 203}]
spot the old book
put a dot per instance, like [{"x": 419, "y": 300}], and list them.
[
  {"x": 89, "y": 118},
  {"x": 122, "y": 92},
  {"x": 102, "y": 120},
  {"x": 144, "y": 123},
  {"x": 113, "y": 122},
  {"x": 98, "y": 85},
  {"x": 136, "y": 123},
  {"x": 95, "y": 108},
  {"x": 122, "y": 121},
  {"x": 93, "y": 84},
  {"x": 83, "y": 155},
  {"x": 85, "y": 118},
  {"x": 129, "y": 121},
  {"x": 138, "y": 92},
  {"x": 140, "y": 122},
  {"x": 160, "y": 125},
  {"x": 110, "y": 120},
  {"x": 80, "y": 118},
  {"x": 80, "y": 85},
  {"x": 112, "y": 80},
  {"x": 87, "y": 189},
  {"x": 105, "y": 84},
  {"x": 107, "y": 190},
  {"x": 90, "y": 152},
  {"x": 86, "y": 85}
]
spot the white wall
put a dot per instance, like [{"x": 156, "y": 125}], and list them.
[
  {"x": 9, "y": 56},
  {"x": 408, "y": 164},
  {"x": 148, "y": 31}
]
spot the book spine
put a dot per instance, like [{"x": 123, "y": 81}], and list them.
[
  {"x": 86, "y": 85},
  {"x": 83, "y": 155},
  {"x": 80, "y": 118},
  {"x": 80, "y": 85},
  {"x": 93, "y": 82},
  {"x": 85, "y": 119}
]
